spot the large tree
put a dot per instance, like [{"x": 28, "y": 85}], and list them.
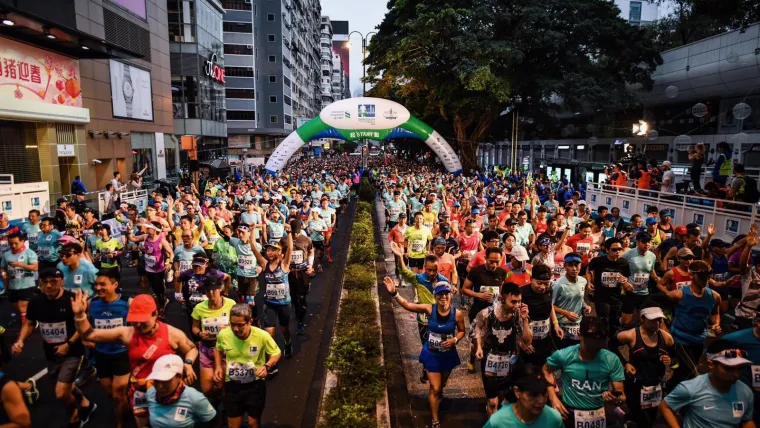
[
  {"x": 688, "y": 21},
  {"x": 459, "y": 64}
]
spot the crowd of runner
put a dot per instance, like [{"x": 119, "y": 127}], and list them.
[
  {"x": 574, "y": 317},
  {"x": 236, "y": 254}
]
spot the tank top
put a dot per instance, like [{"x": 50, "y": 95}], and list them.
[
  {"x": 656, "y": 239},
  {"x": 145, "y": 350},
  {"x": 668, "y": 232},
  {"x": 276, "y": 289},
  {"x": 646, "y": 359},
  {"x": 691, "y": 316},
  {"x": 520, "y": 279},
  {"x": 468, "y": 246},
  {"x": 154, "y": 256},
  {"x": 540, "y": 227},
  {"x": 107, "y": 316},
  {"x": 679, "y": 280},
  {"x": 440, "y": 329},
  {"x": 719, "y": 268},
  {"x": 501, "y": 336}
]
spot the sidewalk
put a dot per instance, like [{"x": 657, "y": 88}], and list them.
[{"x": 464, "y": 399}]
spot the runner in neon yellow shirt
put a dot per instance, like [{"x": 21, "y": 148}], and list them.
[{"x": 416, "y": 239}]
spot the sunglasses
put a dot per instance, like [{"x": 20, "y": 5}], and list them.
[{"x": 687, "y": 258}]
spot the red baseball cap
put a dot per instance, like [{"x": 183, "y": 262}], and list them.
[
  {"x": 141, "y": 308},
  {"x": 681, "y": 230}
]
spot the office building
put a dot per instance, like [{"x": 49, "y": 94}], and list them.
[
  {"x": 272, "y": 59},
  {"x": 638, "y": 12},
  {"x": 340, "y": 89},
  {"x": 85, "y": 82},
  {"x": 198, "y": 76},
  {"x": 340, "y": 38}
]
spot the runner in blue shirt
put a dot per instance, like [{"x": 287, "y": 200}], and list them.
[
  {"x": 48, "y": 244},
  {"x": 77, "y": 272},
  {"x": 749, "y": 339},
  {"x": 171, "y": 403},
  {"x": 17, "y": 267}
]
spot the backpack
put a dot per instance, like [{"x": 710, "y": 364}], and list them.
[{"x": 751, "y": 194}]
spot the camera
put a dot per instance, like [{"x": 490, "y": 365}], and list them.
[{"x": 96, "y": 161}]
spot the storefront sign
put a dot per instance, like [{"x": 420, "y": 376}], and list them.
[
  {"x": 214, "y": 70},
  {"x": 66, "y": 151},
  {"x": 28, "y": 73},
  {"x": 239, "y": 142}
]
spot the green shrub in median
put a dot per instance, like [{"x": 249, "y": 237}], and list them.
[
  {"x": 366, "y": 190},
  {"x": 364, "y": 207},
  {"x": 358, "y": 277}
]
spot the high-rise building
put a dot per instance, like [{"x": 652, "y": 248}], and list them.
[
  {"x": 198, "y": 75},
  {"x": 87, "y": 92},
  {"x": 340, "y": 38},
  {"x": 326, "y": 62},
  {"x": 272, "y": 60},
  {"x": 638, "y": 12}
]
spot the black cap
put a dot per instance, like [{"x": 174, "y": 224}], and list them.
[
  {"x": 542, "y": 273},
  {"x": 51, "y": 273},
  {"x": 88, "y": 210},
  {"x": 97, "y": 226},
  {"x": 719, "y": 243},
  {"x": 200, "y": 260},
  {"x": 211, "y": 283},
  {"x": 79, "y": 193},
  {"x": 643, "y": 236},
  {"x": 445, "y": 228},
  {"x": 61, "y": 200},
  {"x": 535, "y": 383},
  {"x": 511, "y": 222}
]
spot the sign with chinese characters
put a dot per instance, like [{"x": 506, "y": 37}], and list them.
[
  {"x": 31, "y": 74},
  {"x": 214, "y": 70}
]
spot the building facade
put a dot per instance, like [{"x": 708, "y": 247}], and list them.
[
  {"x": 198, "y": 75},
  {"x": 99, "y": 84},
  {"x": 326, "y": 62},
  {"x": 638, "y": 12}
]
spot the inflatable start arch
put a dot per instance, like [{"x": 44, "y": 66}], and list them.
[{"x": 357, "y": 118}]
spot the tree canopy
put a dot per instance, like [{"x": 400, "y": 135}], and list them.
[
  {"x": 459, "y": 64},
  {"x": 688, "y": 21}
]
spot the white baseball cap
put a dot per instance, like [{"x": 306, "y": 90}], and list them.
[
  {"x": 520, "y": 253},
  {"x": 730, "y": 357},
  {"x": 666, "y": 163},
  {"x": 652, "y": 313},
  {"x": 167, "y": 367}
]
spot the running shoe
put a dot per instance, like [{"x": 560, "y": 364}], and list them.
[
  {"x": 85, "y": 375},
  {"x": 329, "y": 259},
  {"x": 86, "y": 412},
  {"x": 470, "y": 367},
  {"x": 288, "y": 351},
  {"x": 32, "y": 394},
  {"x": 300, "y": 330},
  {"x": 272, "y": 372},
  {"x": 435, "y": 424}
]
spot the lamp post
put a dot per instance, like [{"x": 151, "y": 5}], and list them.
[{"x": 364, "y": 55}]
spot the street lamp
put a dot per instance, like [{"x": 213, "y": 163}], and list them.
[{"x": 364, "y": 55}]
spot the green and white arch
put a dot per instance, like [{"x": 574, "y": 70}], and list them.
[{"x": 364, "y": 118}]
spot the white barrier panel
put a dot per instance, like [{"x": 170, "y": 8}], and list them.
[
  {"x": 729, "y": 221},
  {"x": 138, "y": 197},
  {"x": 16, "y": 200}
]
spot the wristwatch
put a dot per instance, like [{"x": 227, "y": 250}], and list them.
[
  {"x": 188, "y": 361},
  {"x": 127, "y": 89}
]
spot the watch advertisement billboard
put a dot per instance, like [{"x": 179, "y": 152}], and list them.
[{"x": 131, "y": 92}]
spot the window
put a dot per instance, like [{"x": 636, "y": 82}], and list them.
[
  {"x": 270, "y": 37},
  {"x": 238, "y": 49},
  {"x": 236, "y": 5},
  {"x": 288, "y": 120},
  {"x": 273, "y": 98},
  {"x": 240, "y": 93},
  {"x": 272, "y": 79},
  {"x": 237, "y": 27},
  {"x": 272, "y": 58},
  {"x": 270, "y": 17},
  {"x": 272, "y": 119},
  {"x": 634, "y": 14},
  {"x": 241, "y": 115},
  {"x": 238, "y": 71},
  {"x": 326, "y": 73},
  {"x": 287, "y": 100}
]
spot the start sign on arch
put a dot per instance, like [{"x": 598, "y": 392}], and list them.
[{"x": 214, "y": 70}]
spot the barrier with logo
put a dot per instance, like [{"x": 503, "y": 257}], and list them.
[
  {"x": 729, "y": 218},
  {"x": 138, "y": 197},
  {"x": 16, "y": 200}
]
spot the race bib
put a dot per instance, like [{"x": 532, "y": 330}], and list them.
[
  {"x": 572, "y": 331},
  {"x": 435, "y": 341},
  {"x": 559, "y": 269},
  {"x": 214, "y": 325},
  {"x": 418, "y": 246},
  {"x": 583, "y": 247},
  {"x": 241, "y": 372},
  {"x": 720, "y": 277},
  {"x": 212, "y": 239},
  {"x": 150, "y": 261},
  {"x": 53, "y": 332},
  {"x": 275, "y": 291},
  {"x": 43, "y": 251},
  {"x": 394, "y": 212},
  {"x": 4, "y": 246},
  {"x": 756, "y": 377},
  {"x": 297, "y": 257},
  {"x": 610, "y": 279},
  {"x": 590, "y": 418},
  {"x": 246, "y": 262},
  {"x": 468, "y": 254},
  {"x": 17, "y": 273},
  {"x": 540, "y": 328},
  {"x": 498, "y": 365},
  {"x": 185, "y": 265},
  {"x": 139, "y": 400},
  {"x": 640, "y": 280},
  {"x": 671, "y": 263},
  {"x": 682, "y": 284},
  {"x": 493, "y": 290},
  {"x": 77, "y": 279},
  {"x": 651, "y": 396},
  {"x": 107, "y": 324},
  {"x": 429, "y": 225}
]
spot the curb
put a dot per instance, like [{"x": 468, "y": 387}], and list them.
[{"x": 383, "y": 412}]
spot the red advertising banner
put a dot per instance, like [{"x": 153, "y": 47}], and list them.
[{"x": 33, "y": 74}]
